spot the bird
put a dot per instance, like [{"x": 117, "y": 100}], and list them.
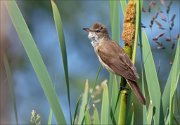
[{"x": 113, "y": 57}]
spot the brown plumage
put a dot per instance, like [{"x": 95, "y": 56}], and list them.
[{"x": 113, "y": 57}]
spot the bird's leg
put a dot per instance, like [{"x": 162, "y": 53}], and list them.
[
  {"x": 123, "y": 85},
  {"x": 123, "y": 88}
]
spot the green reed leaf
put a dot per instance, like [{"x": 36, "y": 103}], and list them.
[
  {"x": 59, "y": 28},
  {"x": 150, "y": 113},
  {"x": 105, "y": 105},
  {"x": 123, "y": 5},
  {"x": 50, "y": 117},
  {"x": 11, "y": 86},
  {"x": 95, "y": 116},
  {"x": 35, "y": 59},
  {"x": 87, "y": 118},
  {"x": 138, "y": 27},
  {"x": 83, "y": 104},
  {"x": 152, "y": 79},
  {"x": 174, "y": 78},
  {"x": 115, "y": 20},
  {"x": 76, "y": 110}
]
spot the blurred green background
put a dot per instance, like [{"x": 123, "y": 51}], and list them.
[{"x": 82, "y": 61}]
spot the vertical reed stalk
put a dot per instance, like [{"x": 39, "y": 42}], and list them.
[
  {"x": 123, "y": 107},
  {"x": 128, "y": 36}
]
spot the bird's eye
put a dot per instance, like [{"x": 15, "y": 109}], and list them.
[{"x": 98, "y": 31}]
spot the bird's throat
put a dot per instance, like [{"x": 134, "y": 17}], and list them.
[
  {"x": 94, "y": 39},
  {"x": 94, "y": 43}
]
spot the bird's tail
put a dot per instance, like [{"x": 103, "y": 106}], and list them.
[{"x": 137, "y": 91}]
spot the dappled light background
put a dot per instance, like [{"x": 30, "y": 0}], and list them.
[{"x": 82, "y": 61}]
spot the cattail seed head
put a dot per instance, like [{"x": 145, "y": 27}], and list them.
[{"x": 128, "y": 34}]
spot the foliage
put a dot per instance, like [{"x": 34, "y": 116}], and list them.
[
  {"x": 159, "y": 110},
  {"x": 35, "y": 59}
]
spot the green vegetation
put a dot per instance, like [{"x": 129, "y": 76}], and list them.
[
  {"x": 35, "y": 59},
  {"x": 160, "y": 106}
]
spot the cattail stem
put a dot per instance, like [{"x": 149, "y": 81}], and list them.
[
  {"x": 128, "y": 50},
  {"x": 124, "y": 94},
  {"x": 128, "y": 36},
  {"x": 123, "y": 107}
]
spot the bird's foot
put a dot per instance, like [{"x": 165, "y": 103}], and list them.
[{"x": 123, "y": 88}]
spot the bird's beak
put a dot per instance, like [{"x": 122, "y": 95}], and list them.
[{"x": 87, "y": 30}]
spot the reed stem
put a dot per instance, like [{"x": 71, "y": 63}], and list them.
[{"x": 128, "y": 35}]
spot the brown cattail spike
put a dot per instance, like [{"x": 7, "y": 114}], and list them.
[{"x": 128, "y": 34}]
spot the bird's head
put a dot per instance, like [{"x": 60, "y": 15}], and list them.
[{"x": 96, "y": 32}]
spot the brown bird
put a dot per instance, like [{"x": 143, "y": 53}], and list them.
[{"x": 113, "y": 57}]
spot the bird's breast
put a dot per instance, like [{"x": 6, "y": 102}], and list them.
[{"x": 104, "y": 64}]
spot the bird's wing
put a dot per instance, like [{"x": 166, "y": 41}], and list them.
[{"x": 115, "y": 57}]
